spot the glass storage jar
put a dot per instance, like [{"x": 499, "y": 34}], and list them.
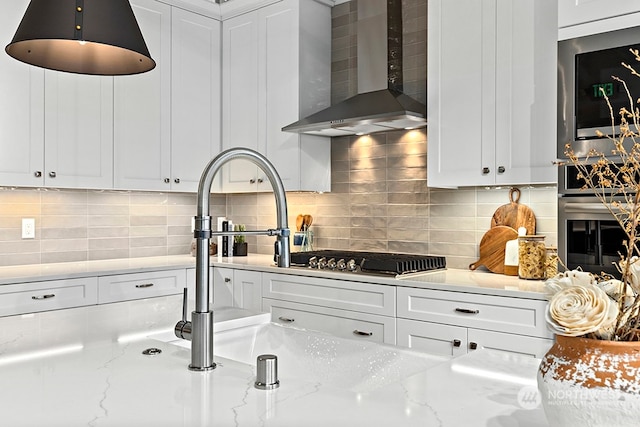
[{"x": 531, "y": 257}]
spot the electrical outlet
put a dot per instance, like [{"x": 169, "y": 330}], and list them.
[{"x": 28, "y": 228}]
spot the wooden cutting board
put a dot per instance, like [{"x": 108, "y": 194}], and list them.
[
  {"x": 492, "y": 248},
  {"x": 515, "y": 215}
]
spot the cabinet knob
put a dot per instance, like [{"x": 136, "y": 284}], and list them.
[
  {"x": 485, "y": 171},
  {"x": 260, "y": 180},
  {"x": 227, "y": 279},
  {"x": 252, "y": 181},
  {"x": 37, "y": 174},
  {"x": 177, "y": 180},
  {"x": 501, "y": 169},
  {"x": 473, "y": 345},
  {"x": 167, "y": 180},
  {"x": 52, "y": 174},
  {"x": 457, "y": 343}
]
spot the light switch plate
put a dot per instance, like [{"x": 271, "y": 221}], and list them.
[{"x": 28, "y": 228}]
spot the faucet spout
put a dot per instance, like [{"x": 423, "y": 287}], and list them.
[{"x": 201, "y": 326}]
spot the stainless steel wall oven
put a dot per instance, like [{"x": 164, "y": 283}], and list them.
[{"x": 588, "y": 234}]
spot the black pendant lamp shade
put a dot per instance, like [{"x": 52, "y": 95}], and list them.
[{"x": 81, "y": 36}]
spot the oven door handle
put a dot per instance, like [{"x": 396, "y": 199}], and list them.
[{"x": 586, "y": 207}]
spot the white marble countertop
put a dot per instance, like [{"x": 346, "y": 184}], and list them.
[
  {"x": 85, "y": 367},
  {"x": 481, "y": 282}
]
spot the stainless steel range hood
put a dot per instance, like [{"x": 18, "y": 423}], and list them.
[{"x": 380, "y": 104}]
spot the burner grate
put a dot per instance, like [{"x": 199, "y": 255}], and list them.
[{"x": 376, "y": 262}]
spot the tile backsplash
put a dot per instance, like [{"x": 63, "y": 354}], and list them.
[{"x": 379, "y": 201}]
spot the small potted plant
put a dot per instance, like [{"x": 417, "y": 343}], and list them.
[{"x": 239, "y": 243}]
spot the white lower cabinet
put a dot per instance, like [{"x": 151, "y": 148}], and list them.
[
  {"x": 237, "y": 288},
  {"x": 123, "y": 287},
  {"x": 449, "y": 340},
  {"x": 341, "y": 323},
  {"x": 339, "y": 307},
  {"x": 451, "y": 323},
  {"x": 48, "y": 295}
]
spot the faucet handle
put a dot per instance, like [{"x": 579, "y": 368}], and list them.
[
  {"x": 183, "y": 327},
  {"x": 185, "y": 292}
]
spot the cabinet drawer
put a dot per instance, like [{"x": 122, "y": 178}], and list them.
[
  {"x": 345, "y": 324},
  {"x": 354, "y": 296},
  {"x": 49, "y": 295},
  {"x": 504, "y": 314},
  {"x": 124, "y": 287}
]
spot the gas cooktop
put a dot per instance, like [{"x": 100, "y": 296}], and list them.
[{"x": 368, "y": 262}]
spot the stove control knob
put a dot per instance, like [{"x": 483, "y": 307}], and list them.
[
  {"x": 322, "y": 263},
  {"x": 313, "y": 262},
  {"x": 352, "y": 266},
  {"x": 341, "y": 264},
  {"x": 332, "y": 264}
]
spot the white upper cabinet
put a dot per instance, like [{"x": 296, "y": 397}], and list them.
[
  {"x": 21, "y": 109},
  {"x": 78, "y": 130},
  {"x": 583, "y": 17},
  {"x": 491, "y": 92},
  {"x": 55, "y": 128},
  {"x": 276, "y": 69},
  {"x": 142, "y": 105},
  {"x": 195, "y": 97},
  {"x": 167, "y": 124}
]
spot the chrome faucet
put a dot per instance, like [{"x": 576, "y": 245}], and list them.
[{"x": 200, "y": 329}]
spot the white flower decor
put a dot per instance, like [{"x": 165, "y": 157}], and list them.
[{"x": 578, "y": 307}]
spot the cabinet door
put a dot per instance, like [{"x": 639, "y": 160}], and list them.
[
  {"x": 526, "y": 76},
  {"x": 222, "y": 282},
  {"x": 78, "y": 130},
  {"x": 530, "y": 346},
  {"x": 21, "y": 109},
  {"x": 460, "y": 93},
  {"x": 142, "y": 129},
  {"x": 433, "y": 338},
  {"x": 247, "y": 289},
  {"x": 195, "y": 97},
  {"x": 240, "y": 120},
  {"x": 278, "y": 29}
]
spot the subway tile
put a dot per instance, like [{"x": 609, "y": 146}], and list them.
[
  {"x": 108, "y": 254},
  {"x": 64, "y": 245},
  {"x": 107, "y": 232},
  {"x": 64, "y": 256},
  {"x": 63, "y": 233}
]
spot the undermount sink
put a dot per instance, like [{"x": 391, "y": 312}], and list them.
[{"x": 313, "y": 356}]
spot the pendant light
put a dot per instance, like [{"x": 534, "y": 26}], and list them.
[{"x": 99, "y": 37}]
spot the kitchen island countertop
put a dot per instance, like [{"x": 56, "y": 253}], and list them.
[{"x": 85, "y": 366}]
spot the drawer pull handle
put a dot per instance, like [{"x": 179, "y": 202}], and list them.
[
  {"x": 457, "y": 343},
  {"x": 362, "y": 333},
  {"x": 45, "y": 296},
  {"x": 473, "y": 345},
  {"x": 467, "y": 311},
  {"x": 286, "y": 319},
  {"x": 144, "y": 285}
]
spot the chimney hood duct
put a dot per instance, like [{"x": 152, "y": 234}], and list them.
[{"x": 380, "y": 104}]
